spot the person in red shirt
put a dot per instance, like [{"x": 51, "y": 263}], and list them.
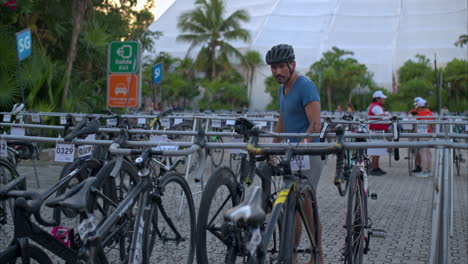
[
  {"x": 414, "y": 112},
  {"x": 424, "y": 153},
  {"x": 376, "y": 108}
]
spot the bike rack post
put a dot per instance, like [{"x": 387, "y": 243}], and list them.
[{"x": 436, "y": 199}]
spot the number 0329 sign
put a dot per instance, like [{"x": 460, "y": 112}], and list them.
[{"x": 64, "y": 152}]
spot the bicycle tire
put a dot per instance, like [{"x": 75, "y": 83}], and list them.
[
  {"x": 220, "y": 194},
  {"x": 115, "y": 189},
  {"x": 7, "y": 174},
  {"x": 168, "y": 218},
  {"x": 355, "y": 221},
  {"x": 13, "y": 254},
  {"x": 88, "y": 168},
  {"x": 217, "y": 154},
  {"x": 182, "y": 138},
  {"x": 304, "y": 250}
]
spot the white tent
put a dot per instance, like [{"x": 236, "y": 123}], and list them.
[{"x": 382, "y": 33}]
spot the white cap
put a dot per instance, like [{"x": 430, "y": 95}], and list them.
[
  {"x": 421, "y": 103},
  {"x": 417, "y": 99},
  {"x": 379, "y": 94}
]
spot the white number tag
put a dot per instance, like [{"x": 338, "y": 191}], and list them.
[
  {"x": 17, "y": 131},
  {"x": 64, "y": 152},
  {"x": 111, "y": 122},
  {"x": 86, "y": 226},
  {"x": 78, "y": 118},
  {"x": 3, "y": 148},
  {"x": 6, "y": 118},
  {"x": 422, "y": 128},
  {"x": 85, "y": 151},
  {"x": 141, "y": 121},
  {"x": 230, "y": 122},
  {"x": 300, "y": 162},
  {"x": 177, "y": 121},
  {"x": 260, "y": 123},
  {"x": 216, "y": 123},
  {"x": 162, "y": 139},
  {"x": 36, "y": 118},
  {"x": 165, "y": 123},
  {"x": 63, "y": 120},
  {"x": 19, "y": 117}
]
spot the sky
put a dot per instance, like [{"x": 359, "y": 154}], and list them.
[{"x": 160, "y": 7}]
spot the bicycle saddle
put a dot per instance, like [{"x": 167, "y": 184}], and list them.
[
  {"x": 76, "y": 198},
  {"x": 249, "y": 211}
]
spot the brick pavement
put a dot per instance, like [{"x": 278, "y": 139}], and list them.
[{"x": 403, "y": 209}]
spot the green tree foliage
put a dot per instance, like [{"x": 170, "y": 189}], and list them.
[
  {"x": 227, "y": 91},
  {"x": 271, "y": 88},
  {"x": 252, "y": 59},
  {"x": 415, "y": 78},
  {"x": 456, "y": 85},
  {"x": 336, "y": 75},
  {"x": 206, "y": 26},
  {"x": 179, "y": 82},
  {"x": 52, "y": 26},
  {"x": 462, "y": 41}
]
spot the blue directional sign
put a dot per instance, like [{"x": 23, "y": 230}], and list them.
[
  {"x": 24, "y": 44},
  {"x": 157, "y": 73}
]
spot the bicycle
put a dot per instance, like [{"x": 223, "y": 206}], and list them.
[
  {"x": 358, "y": 224},
  {"x": 296, "y": 197},
  {"x": 222, "y": 192},
  {"x": 121, "y": 224}
]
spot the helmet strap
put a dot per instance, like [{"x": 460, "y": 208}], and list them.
[{"x": 290, "y": 72}]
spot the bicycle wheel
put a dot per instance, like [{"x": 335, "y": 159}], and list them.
[
  {"x": 181, "y": 161},
  {"x": 355, "y": 220},
  {"x": 87, "y": 168},
  {"x": 13, "y": 255},
  {"x": 217, "y": 241},
  {"x": 7, "y": 174},
  {"x": 297, "y": 248},
  {"x": 115, "y": 188},
  {"x": 173, "y": 222},
  {"x": 217, "y": 154}
]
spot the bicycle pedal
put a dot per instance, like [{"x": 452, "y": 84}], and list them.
[{"x": 380, "y": 233}]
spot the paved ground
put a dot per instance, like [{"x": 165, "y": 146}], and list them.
[{"x": 403, "y": 209}]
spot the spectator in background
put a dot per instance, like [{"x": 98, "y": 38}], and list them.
[
  {"x": 175, "y": 106},
  {"x": 376, "y": 108},
  {"x": 424, "y": 153},
  {"x": 338, "y": 109},
  {"x": 349, "y": 108},
  {"x": 414, "y": 112}
]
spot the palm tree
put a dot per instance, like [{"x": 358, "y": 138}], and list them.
[
  {"x": 252, "y": 60},
  {"x": 206, "y": 26},
  {"x": 462, "y": 41}
]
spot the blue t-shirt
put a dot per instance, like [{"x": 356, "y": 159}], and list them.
[{"x": 292, "y": 105}]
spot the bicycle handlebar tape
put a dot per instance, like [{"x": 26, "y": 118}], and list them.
[
  {"x": 74, "y": 133},
  {"x": 339, "y": 167},
  {"x": 253, "y": 150},
  {"x": 90, "y": 128}
]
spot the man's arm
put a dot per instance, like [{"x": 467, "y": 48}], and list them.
[
  {"x": 312, "y": 110},
  {"x": 278, "y": 129}
]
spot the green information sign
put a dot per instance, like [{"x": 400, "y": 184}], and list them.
[{"x": 123, "y": 57}]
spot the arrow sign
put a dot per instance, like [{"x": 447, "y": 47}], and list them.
[
  {"x": 24, "y": 44},
  {"x": 157, "y": 73}
]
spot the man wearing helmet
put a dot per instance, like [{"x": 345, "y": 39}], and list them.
[{"x": 299, "y": 113}]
